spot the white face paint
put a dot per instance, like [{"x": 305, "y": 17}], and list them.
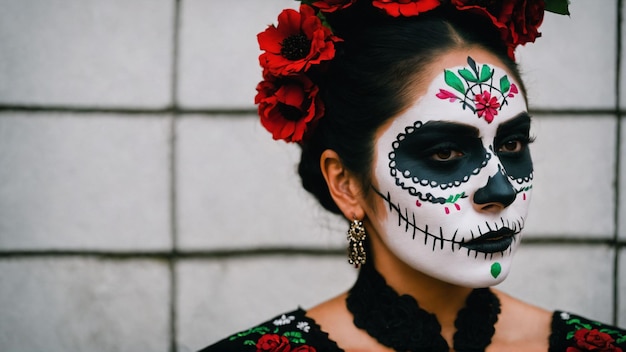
[{"x": 455, "y": 175}]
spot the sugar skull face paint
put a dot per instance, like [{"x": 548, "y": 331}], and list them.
[{"x": 455, "y": 175}]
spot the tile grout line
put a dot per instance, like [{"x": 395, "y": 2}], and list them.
[
  {"x": 618, "y": 142},
  {"x": 172, "y": 260}
]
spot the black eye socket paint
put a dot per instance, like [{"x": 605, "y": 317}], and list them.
[
  {"x": 413, "y": 152},
  {"x": 518, "y": 165}
]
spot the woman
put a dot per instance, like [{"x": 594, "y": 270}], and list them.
[{"x": 414, "y": 126}]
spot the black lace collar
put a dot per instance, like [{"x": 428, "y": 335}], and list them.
[{"x": 398, "y": 321}]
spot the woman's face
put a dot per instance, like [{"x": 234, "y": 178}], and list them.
[{"x": 453, "y": 174}]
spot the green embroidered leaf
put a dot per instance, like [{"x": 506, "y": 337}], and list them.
[
  {"x": 570, "y": 335},
  {"x": 485, "y": 73},
  {"x": 294, "y": 336},
  {"x": 453, "y": 81},
  {"x": 609, "y": 331},
  {"x": 587, "y": 326},
  {"x": 249, "y": 343},
  {"x": 620, "y": 340},
  {"x": 560, "y": 7},
  {"x": 573, "y": 321},
  {"x": 505, "y": 85},
  {"x": 468, "y": 75}
]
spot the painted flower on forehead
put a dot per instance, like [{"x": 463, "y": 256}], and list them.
[
  {"x": 478, "y": 90},
  {"x": 288, "y": 106},
  {"x": 332, "y": 5},
  {"x": 406, "y": 8},
  {"x": 299, "y": 41},
  {"x": 486, "y": 106}
]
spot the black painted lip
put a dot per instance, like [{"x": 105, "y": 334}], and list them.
[{"x": 492, "y": 242}]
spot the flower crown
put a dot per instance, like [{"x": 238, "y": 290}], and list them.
[{"x": 288, "y": 98}]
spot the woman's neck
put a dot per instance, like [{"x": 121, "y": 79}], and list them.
[{"x": 435, "y": 296}]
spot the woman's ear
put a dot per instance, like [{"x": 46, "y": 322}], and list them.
[{"x": 344, "y": 186}]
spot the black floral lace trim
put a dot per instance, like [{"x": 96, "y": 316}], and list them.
[{"x": 398, "y": 321}]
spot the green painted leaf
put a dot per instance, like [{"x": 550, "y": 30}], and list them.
[
  {"x": 468, "y": 75},
  {"x": 496, "y": 269},
  {"x": 505, "y": 85},
  {"x": 450, "y": 199},
  {"x": 560, "y": 7},
  {"x": 485, "y": 73},
  {"x": 453, "y": 81}
]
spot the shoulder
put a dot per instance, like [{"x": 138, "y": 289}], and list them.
[
  {"x": 573, "y": 333},
  {"x": 291, "y": 331}
]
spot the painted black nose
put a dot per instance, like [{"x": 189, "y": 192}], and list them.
[{"x": 497, "y": 190}]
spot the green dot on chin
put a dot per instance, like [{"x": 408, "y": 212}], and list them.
[{"x": 496, "y": 269}]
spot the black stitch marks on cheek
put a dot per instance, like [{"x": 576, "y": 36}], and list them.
[{"x": 439, "y": 240}]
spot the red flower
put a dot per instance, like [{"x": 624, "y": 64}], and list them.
[
  {"x": 304, "y": 348},
  {"x": 273, "y": 343},
  {"x": 517, "y": 20},
  {"x": 332, "y": 5},
  {"x": 593, "y": 340},
  {"x": 299, "y": 41},
  {"x": 486, "y": 106},
  {"x": 288, "y": 106},
  {"x": 406, "y": 8}
]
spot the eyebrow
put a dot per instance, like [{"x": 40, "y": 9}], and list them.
[
  {"x": 522, "y": 120},
  {"x": 449, "y": 128}
]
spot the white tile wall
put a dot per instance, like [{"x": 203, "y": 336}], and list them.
[
  {"x": 76, "y": 181},
  {"x": 82, "y": 304},
  {"x": 237, "y": 188},
  {"x": 86, "y": 52},
  {"x": 80, "y": 174}
]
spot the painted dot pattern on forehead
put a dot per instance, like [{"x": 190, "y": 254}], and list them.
[{"x": 478, "y": 90}]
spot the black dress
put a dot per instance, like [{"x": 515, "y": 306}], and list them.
[{"x": 294, "y": 332}]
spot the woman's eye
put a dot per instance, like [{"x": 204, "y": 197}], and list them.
[
  {"x": 512, "y": 146},
  {"x": 446, "y": 154}
]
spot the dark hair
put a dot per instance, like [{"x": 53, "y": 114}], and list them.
[{"x": 370, "y": 79}]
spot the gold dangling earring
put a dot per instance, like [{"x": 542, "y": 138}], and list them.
[{"x": 356, "y": 236}]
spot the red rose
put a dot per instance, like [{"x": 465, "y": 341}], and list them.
[
  {"x": 299, "y": 41},
  {"x": 517, "y": 20},
  {"x": 288, "y": 106},
  {"x": 593, "y": 340},
  {"x": 332, "y": 5},
  {"x": 406, "y": 8},
  {"x": 273, "y": 343},
  {"x": 304, "y": 348}
]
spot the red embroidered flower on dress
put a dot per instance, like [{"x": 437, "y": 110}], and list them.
[
  {"x": 486, "y": 106},
  {"x": 273, "y": 343},
  {"x": 332, "y": 5},
  {"x": 593, "y": 340},
  {"x": 299, "y": 41},
  {"x": 517, "y": 20},
  {"x": 279, "y": 343},
  {"x": 406, "y": 8},
  {"x": 288, "y": 106}
]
